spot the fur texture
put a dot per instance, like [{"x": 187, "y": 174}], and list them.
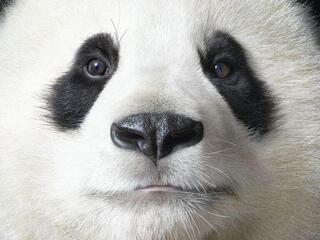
[{"x": 76, "y": 184}]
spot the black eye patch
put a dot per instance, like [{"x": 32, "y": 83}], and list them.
[
  {"x": 74, "y": 93},
  {"x": 247, "y": 96}
]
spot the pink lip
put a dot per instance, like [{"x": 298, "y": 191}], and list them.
[{"x": 160, "y": 188}]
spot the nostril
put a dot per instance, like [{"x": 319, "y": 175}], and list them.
[
  {"x": 129, "y": 135},
  {"x": 126, "y": 137},
  {"x": 185, "y": 137}
]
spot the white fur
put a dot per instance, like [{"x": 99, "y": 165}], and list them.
[{"x": 45, "y": 174}]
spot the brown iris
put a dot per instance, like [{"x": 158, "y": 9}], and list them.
[{"x": 222, "y": 70}]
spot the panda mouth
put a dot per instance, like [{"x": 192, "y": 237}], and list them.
[
  {"x": 178, "y": 189},
  {"x": 169, "y": 190},
  {"x": 159, "y": 188}
]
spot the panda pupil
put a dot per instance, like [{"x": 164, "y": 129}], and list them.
[
  {"x": 222, "y": 70},
  {"x": 97, "y": 67}
]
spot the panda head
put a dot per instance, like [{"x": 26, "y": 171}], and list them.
[{"x": 158, "y": 120}]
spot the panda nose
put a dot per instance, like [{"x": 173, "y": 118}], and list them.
[{"x": 156, "y": 134}]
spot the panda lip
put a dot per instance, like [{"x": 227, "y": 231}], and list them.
[
  {"x": 159, "y": 188},
  {"x": 176, "y": 189},
  {"x": 206, "y": 193}
]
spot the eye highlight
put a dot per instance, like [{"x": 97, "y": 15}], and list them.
[
  {"x": 222, "y": 70},
  {"x": 97, "y": 68}
]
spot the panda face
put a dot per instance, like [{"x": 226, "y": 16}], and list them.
[
  {"x": 155, "y": 120},
  {"x": 160, "y": 125}
]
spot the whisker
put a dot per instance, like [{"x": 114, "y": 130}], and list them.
[
  {"x": 206, "y": 221},
  {"x": 116, "y": 33},
  {"x": 189, "y": 211},
  {"x": 213, "y": 214},
  {"x": 218, "y": 170},
  {"x": 187, "y": 230},
  {"x": 225, "y": 141}
]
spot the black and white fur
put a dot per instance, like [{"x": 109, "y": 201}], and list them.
[{"x": 61, "y": 175}]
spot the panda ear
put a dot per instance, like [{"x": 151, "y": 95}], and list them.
[{"x": 4, "y": 4}]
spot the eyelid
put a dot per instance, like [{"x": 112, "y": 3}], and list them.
[
  {"x": 224, "y": 59},
  {"x": 93, "y": 79},
  {"x": 97, "y": 55}
]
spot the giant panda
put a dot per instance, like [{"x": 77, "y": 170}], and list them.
[{"x": 162, "y": 120}]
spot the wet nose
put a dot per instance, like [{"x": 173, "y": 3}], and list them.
[{"x": 156, "y": 134}]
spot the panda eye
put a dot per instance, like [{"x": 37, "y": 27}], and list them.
[
  {"x": 222, "y": 70},
  {"x": 97, "y": 68}
]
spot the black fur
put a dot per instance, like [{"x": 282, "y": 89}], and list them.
[
  {"x": 75, "y": 92},
  {"x": 4, "y": 4},
  {"x": 246, "y": 94}
]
